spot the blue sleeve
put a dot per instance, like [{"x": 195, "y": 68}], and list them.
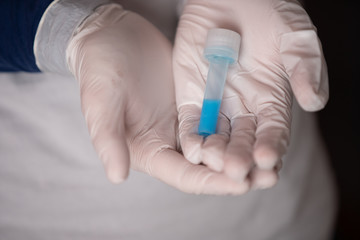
[{"x": 19, "y": 20}]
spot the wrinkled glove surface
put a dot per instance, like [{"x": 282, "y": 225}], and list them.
[
  {"x": 280, "y": 55},
  {"x": 123, "y": 65}
]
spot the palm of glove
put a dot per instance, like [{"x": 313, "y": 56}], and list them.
[
  {"x": 123, "y": 65},
  {"x": 254, "y": 126}
]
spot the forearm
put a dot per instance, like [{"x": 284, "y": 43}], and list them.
[
  {"x": 19, "y": 20},
  {"x": 35, "y": 33}
]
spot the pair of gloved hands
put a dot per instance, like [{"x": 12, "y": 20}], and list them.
[{"x": 127, "y": 69}]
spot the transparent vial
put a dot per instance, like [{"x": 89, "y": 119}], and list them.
[{"x": 221, "y": 50}]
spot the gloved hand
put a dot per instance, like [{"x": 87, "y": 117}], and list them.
[
  {"x": 123, "y": 65},
  {"x": 280, "y": 54}
]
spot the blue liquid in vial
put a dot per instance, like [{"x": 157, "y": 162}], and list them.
[{"x": 209, "y": 116}]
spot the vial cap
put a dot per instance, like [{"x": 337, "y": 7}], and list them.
[{"x": 222, "y": 42}]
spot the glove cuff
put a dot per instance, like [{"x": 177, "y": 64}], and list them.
[{"x": 56, "y": 27}]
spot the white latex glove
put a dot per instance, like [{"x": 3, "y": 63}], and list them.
[
  {"x": 123, "y": 64},
  {"x": 280, "y": 53}
]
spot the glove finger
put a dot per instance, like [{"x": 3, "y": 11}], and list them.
[
  {"x": 190, "y": 140},
  {"x": 272, "y": 135},
  {"x": 106, "y": 123},
  {"x": 302, "y": 56},
  {"x": 213, "y": 148},
  {"x": 262, "y": 179},
  {"x": 238, "y": 155},
  {"x": 172, "y": 168}
]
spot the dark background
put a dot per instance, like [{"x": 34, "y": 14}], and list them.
[{"x": 338, "y": 28}]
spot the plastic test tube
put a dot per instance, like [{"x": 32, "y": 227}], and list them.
[{"x": 221, "y": 50}]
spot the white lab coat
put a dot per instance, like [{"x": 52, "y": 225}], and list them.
[{"x": 52, "y": 185}]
